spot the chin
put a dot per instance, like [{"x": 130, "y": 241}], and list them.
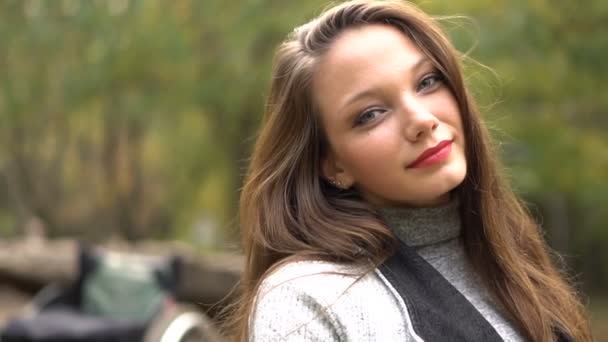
[
  {"x": 454, "y": 176},
  {"x": 431, "y": 191},
  {"x": 441, "y": 193},
  {"x": 432, "y": 200}
]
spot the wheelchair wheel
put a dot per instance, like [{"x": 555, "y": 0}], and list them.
[{"x": 182, "y": 323}]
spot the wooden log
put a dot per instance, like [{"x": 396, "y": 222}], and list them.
[{"x": 32, "y": 263}]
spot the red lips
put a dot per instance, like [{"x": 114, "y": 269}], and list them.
[{"x": 433, "y": 155}]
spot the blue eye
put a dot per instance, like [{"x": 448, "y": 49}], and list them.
[
  {"x": 367, "y": 116},
  {"x": 430, "y": 82}
]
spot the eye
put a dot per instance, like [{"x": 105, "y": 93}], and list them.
[
  {"x": 430, "y": 82},
  {"x": 368, "y": 116}
]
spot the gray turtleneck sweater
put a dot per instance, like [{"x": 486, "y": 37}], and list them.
[{"x": 323, "y": 301}]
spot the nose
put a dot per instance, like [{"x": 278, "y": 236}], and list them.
[{"x": 418, "y": 120}]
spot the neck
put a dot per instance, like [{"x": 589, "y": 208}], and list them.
[{"x": 419, "y": 227}]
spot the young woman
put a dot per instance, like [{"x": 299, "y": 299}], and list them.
[{"x": 374, "y": 208}]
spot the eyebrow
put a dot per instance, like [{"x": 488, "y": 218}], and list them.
[{"x": 417, "y": 65}]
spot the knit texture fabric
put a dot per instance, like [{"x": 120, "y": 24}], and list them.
[{"x": 323, "y": 301}]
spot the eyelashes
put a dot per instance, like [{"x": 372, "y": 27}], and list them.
[
  {"x": 367, "y": 116},
  {"x": 427, "y": 84},
  {"x": 430, "y": 81}
]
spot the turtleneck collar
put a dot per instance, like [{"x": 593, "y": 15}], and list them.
[{"x": 420, "y": 227}]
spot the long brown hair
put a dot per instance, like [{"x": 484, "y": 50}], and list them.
[{"x": 289, "y": 211}]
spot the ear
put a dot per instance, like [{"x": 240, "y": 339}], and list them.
[{"x": 335, "y": 172}]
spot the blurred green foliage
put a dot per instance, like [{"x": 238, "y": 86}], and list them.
[{"x": 135, "y": 118}]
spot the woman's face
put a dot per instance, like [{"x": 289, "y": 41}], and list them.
[{"x": 393, "y": 126}]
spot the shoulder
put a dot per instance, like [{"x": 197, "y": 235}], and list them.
[
  {"x": 320, "y": 301},
  {"x": 313, "y": 277},
  {"x": 293, "y": 302}
]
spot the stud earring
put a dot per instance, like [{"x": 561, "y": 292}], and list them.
[{"x": 336, "y": 183}]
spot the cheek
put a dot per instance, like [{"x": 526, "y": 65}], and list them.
[
  {"x": 367, "y": 154},
  {"x": 448, "y": 112}
]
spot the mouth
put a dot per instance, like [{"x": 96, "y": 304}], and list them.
[{"x": 433, "y": 155}]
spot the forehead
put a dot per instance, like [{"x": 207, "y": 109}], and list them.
[
  {"x": 357, "y": 44},
  {"x": 364, "y": 57}
]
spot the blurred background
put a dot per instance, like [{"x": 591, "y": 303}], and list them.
[{"x": 129, "y": 121}]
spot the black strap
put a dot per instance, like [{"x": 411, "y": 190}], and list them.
[{"x": 437, "y": 310}]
